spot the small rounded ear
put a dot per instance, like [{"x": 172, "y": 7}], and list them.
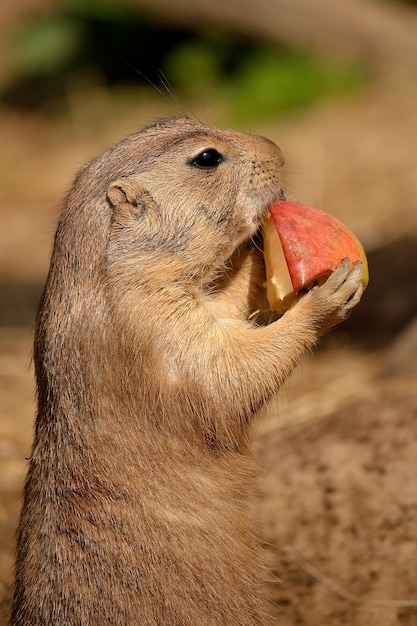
[
  {"x": 128, "y": 191},
  {"x": 129, "y": 197}
]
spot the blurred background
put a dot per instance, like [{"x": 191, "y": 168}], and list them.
[{"x": 333, "y": 82}]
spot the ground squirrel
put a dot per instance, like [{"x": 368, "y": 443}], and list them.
[{"x": 150, "y": 370}]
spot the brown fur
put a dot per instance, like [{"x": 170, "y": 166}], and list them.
[{"x": 138, "y": 499}]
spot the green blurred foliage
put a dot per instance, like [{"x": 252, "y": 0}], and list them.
[
  {"x": 47, "y": 44},
  {"x": 120, "y": 45},
  {"x": 258, "y": 80}
]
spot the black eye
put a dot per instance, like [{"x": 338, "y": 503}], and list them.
[{"x": 208, "y": 158}]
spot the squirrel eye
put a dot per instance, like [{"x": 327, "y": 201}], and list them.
[{"x": 208, "y": 159}]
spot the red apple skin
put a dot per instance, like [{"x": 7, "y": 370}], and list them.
[{"x": 314, "y": 242}]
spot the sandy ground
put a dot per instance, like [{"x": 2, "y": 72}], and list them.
[{"x": 338, "y": 449}]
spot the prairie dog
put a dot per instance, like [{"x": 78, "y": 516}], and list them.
[{"x": 138, "y": 500}]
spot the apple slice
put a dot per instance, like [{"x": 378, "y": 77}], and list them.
[{"x": 302, "y": 247}]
